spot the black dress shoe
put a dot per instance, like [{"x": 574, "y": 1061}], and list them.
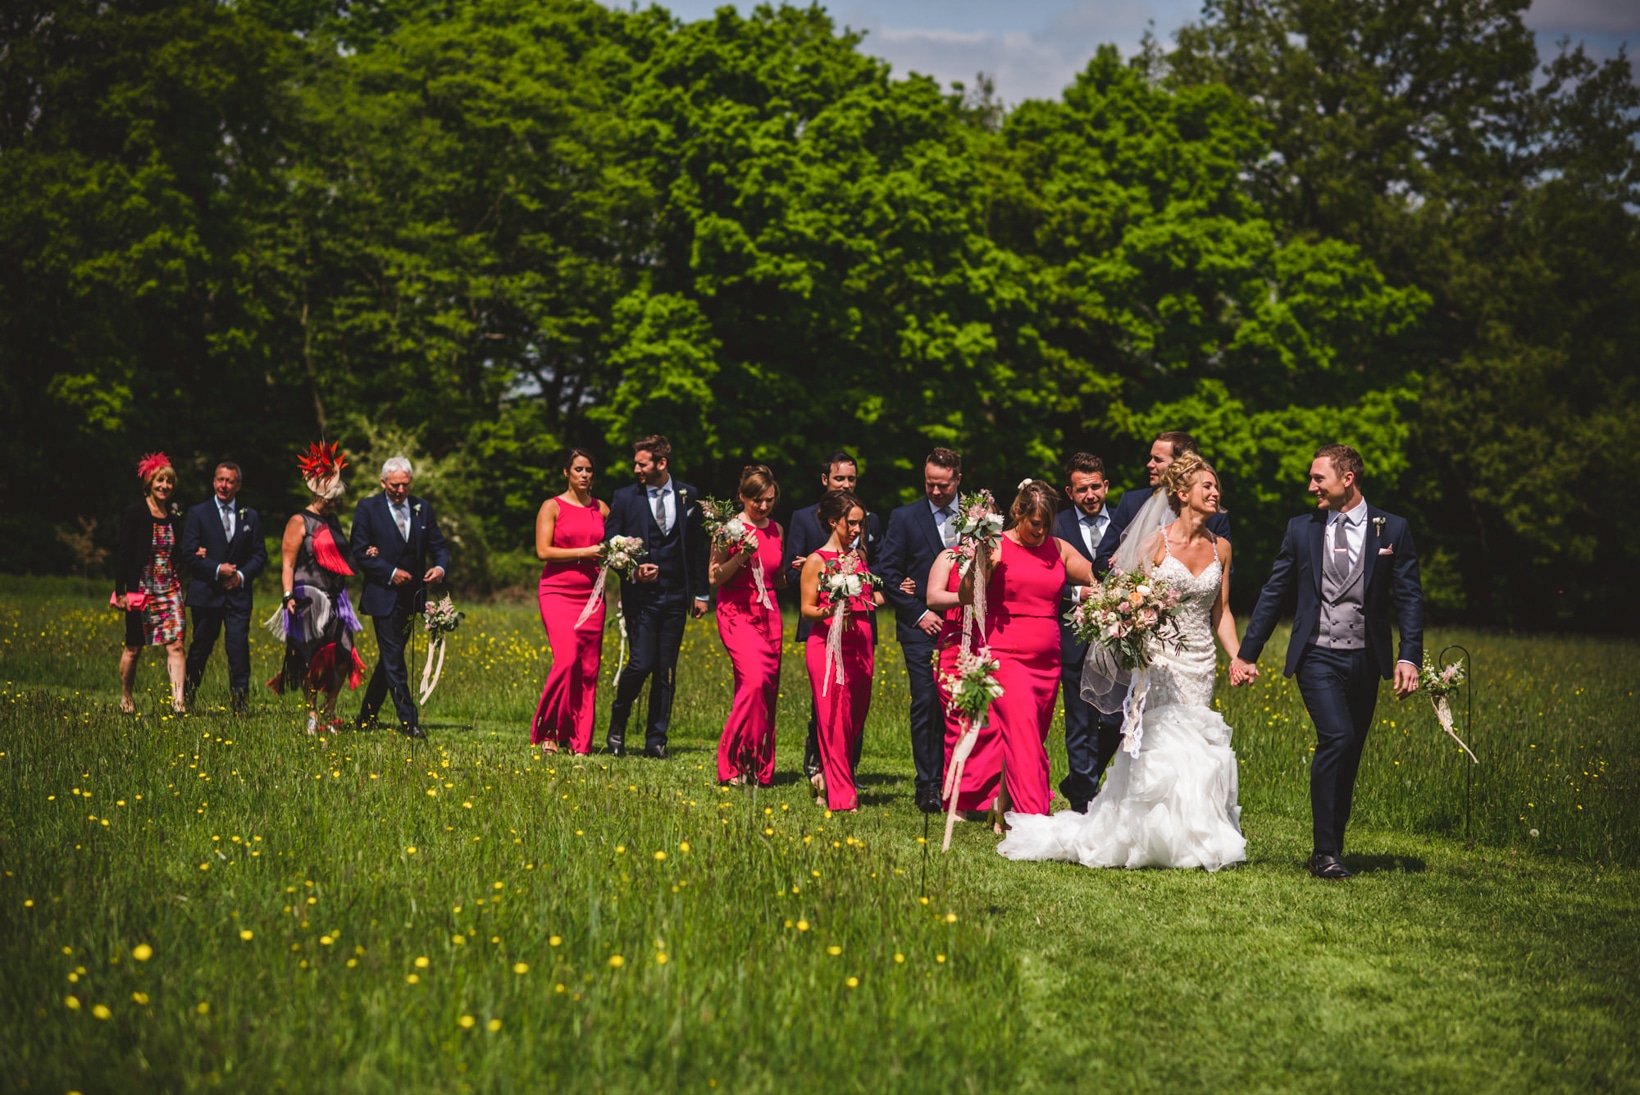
[
  {"x": 928, "y": 800},
  {"x": 1079, "y": 807},
  {"x": 617, "y": 749},
  {"x": 363, "y": 724},
  {"x": 241, "y": 704},
  {"x": 414, "y": 732},
  {"x": 657, "y": 752},
  {"x": 1328, "y": 866}
]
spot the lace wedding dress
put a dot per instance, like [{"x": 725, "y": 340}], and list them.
[{"x": 1174, "y": 804}]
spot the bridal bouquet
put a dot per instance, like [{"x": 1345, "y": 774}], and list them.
[
  {"x": 1441, "y": 684},
  {"x": 977, "y": 522},
  {"x": 971, "y": 689},
  {"x": 841, "y": 580},
  {"x": 620, "y": 554},
  {"x": 441, "y": 620},
  {"x": 1132, "y": 615}
]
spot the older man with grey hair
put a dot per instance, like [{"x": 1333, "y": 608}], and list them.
[{"x": 397, "y": 544}]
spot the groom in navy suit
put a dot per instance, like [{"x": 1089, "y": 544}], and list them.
[
  {"x": 1091, "y": 736},
  {"x": 1348, "y": 563},
  {"x": 804, "y": 536},
  {"x": 222, "y": 544},
  {"x": 1164, "y": 449},
  {"x": 397, "y": 544},
  {"x": 669, "y": 586},
  {"x": 916, "y": 535}
]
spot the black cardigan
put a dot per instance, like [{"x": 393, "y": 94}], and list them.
[{"x": 136, "y": 545}]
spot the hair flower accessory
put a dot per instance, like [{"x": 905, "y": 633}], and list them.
[
  {"x": 322, "y": 465},
  {"x": 151, "y": 463},
  {"x": 1023, "y": 483}
]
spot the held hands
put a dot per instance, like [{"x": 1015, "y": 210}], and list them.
[
  {"x": 908, "y": 587},
  {"x": 1406, "y": 679},
  {"x": 1242, "y": 671},
  {"x": 930, "y": 624}
]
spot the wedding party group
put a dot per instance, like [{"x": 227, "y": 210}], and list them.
[{"x": 1000, "y": 617}]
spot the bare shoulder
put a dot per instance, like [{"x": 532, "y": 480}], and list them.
[{"x": 603, "y": 508}]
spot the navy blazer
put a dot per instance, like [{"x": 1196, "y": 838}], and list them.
[
  {"x": 910, "y": 546},
  {"x": 1067, "y": 527},
  {"x": 1391, "y": 577},
  {"x": 246, "y": 551},
  {"x": 1124, "y": 513},
  {"x": 630, "y": 515},
  {"x": 804, "y": 537},
  {"x": 374, "y": 527}
]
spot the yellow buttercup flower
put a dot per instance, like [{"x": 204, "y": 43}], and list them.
[
  {"x": 142, "y": 952},
  {"x": 102, "y": 1012},
  {"x": 521, "y": 968},
  {"x": 421, "y": 962},
  {"x": 616, "y": 961},
  {"x": 466, "y": 1022}
]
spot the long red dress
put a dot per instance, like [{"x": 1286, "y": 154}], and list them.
[
  {"x": 570, "y": 697},
  {"x": 983, "y": 770},
  {"x": 841, "y": 708},
  {"x": 750, "y": 626},
  {"x": 1022, "y": 630}
]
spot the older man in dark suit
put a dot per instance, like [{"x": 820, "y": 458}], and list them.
[
  {"x": 397, "y": 543},
  {"x": 222, "y": 545},
  {"x": 668, "y": 587},
  {"x": 916, "y": 534},
  {"x": 839, "y": 471},
  {"x": 1091, "y": 736},
  {"x": 1164, "y": 449}
]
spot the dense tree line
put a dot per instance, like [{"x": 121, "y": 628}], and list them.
[{"x": 487, "y": 229}]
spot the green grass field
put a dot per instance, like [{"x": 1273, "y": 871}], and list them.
[{"x": 223, "y": 903}]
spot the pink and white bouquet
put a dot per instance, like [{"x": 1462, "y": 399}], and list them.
[
  {"x": 1132, "y": 615},
  {"x": 1441, "y": 683},
  {"x": 841, "y": 580},
  {"x": 977, "y": 522},
  {"x": 441, "y": 619},
  {"x": 619, "y": 554},
  {"x": 971, "y": 691},
  {"x": 741, "y": 539},
  {"x": 716, "y": 514}
]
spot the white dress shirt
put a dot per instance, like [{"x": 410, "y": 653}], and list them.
[
  {"x": 228, "y": 514},
  {"x": 1093, "y": 529},
  {"x": 669, "y": 503},
  {"x": 401, "y": 516},
  {"x": 942, "y": 522},
  {"x": 1354, "y": 521}
]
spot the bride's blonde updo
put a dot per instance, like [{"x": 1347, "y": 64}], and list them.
[{"x": 1181, "y": 475}]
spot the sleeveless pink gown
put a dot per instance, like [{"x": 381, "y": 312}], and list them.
[
  {"x": 570, "y": 698},
  {"x": 751, "y": 633},
  {"x": 983, "y": 769},
  {"x": 1022, "y": 629},
  {"x": 841, "y": 708}
]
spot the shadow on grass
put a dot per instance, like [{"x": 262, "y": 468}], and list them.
[{"x": 1375, "y": 864}]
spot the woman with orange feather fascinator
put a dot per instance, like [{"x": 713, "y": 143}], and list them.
[{"x": 315, "y": 617}]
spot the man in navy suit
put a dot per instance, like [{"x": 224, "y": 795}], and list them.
[
  {"x": 667, "y": 588},
  {"x": 1347, "y": 562},
  {"x": 1164, "y": 449},
  {"x": 222, "y": 543},
  {"x": 397, "y": 544},
  {"x": 1091, "y": 736},
  {"x": 839, "y": 471},
  {"x": 916, "y": 534}
]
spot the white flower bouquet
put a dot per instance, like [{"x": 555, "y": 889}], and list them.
[
  {"x": 841, "y": 580},
  {"x": 1441, "y": 683},
  {"x": 971, "y": 690},
  {"x": 619, "y": 554},
  {"x": 1132, "y": 615}
]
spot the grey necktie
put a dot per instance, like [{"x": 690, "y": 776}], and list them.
[
  {"x": 227, "y": 519},
  {"x": 948, "y": 532},
  {"x": 1337, "y": 562},
  {"x": 660, "y": 510},
  {"x": 402, "y": 519}
]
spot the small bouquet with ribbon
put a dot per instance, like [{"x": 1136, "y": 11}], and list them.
[
  {"x": 1126, "y": 622},
  {"x": 842, "y": 579},
  {"x": 741, "y": 539},
  {"x": 619, "y": 554},
  {"x": 1441, "y": 683},
  {"x": 978, "y": 527},
  {"x": 972, "y": 689},
  {"x": 441, "y": 620},
  {"x": 715, "y": 516}
]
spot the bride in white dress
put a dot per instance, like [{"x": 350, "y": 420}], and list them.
[{"x": 1173, "y": 802}]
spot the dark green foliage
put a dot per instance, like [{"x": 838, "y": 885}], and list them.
[{"x": 500, "y": 228}]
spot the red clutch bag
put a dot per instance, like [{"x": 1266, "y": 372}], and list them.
[{"x": 135, "y": 601}]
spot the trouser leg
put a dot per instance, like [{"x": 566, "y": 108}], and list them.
[{"x": 207, "y": 626}]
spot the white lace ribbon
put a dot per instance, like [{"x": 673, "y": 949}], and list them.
[
  {"x": 834, "y": 648},
  {"x": 594, "y": 597},
  {"x": 762, "y": 586},
  {"x": 1443, "y": 715},
  {"x": 1133, "y": 711},
  {"x": 429, "y": 672},
  {"x": 953, "y": 775}
]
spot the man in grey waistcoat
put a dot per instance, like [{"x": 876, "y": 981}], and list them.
[{"x": 1349, "y": 563}]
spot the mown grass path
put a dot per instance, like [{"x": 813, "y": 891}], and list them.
[{"x": 357, "y": 914}]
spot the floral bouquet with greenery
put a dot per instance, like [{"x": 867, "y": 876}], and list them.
[
  {"x": 1131, "y": 615},
  {"x": 441, "y": 620},
  {"x": 1441, "y": 682},
  {"x": 619, "y": 554},
  {"x": 971, "y": 690},
  {"x": 841, "y": 580}
]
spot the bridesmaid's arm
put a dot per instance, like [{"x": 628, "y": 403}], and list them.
[
  {"x": 724, "y": 565},
  {"x": 1224, "y": 622},
  {"x": 939, "y": 576},
  {"x": 1078, "y": 569},
  {"x": 808, "y": 600}
]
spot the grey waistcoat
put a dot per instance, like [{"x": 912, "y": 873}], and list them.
[{"x": 1343, "y": 622}]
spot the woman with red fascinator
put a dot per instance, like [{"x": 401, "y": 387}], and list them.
[
  {"x": 315, "y": 618},
  {"x": 147, "y": 578}
]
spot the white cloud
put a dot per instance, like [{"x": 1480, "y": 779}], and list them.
[{"x": 1574, "y": 17}]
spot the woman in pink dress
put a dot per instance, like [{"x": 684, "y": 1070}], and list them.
[
  {"x": 1023, "y": 583},
  {"x": 569, "y": 531},
  {"x": 750, "y": 626},
  {"x": 840, "y": 704},
  {"x": 982, "y": 771}
]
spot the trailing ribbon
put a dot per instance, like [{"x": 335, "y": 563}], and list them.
[
  {"x": 762, "y": 587},
  {"x": 1133, "y": 711},
  {"x": 596, "y": 596},
  {"x": 953, "y": 775},
  {"x": 1443, "y": 715},
  {"x": 430, "y": 674},
  {"x": 834, "y": 647}
]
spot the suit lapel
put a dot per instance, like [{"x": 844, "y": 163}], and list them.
[
  {"x": 1318, "y": 538},
  {"x": 930, "y": 530},
  {"x": 1369, "y": 551}
]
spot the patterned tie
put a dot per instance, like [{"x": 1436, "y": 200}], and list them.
[
  {"x": 660, "y": 509},
  {"x": 402, "y": 519},
  {"x": 1337, "y": 563}
]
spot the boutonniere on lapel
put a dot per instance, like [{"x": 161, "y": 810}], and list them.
[
  {"x": 416, "y": 509},
  {"x": 1378, "y": 531},
  {"x": 683, "y": 502},
  {"x": 241, "y": 514}
]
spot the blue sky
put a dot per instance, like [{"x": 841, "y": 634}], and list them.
[{"x": 1035, "y": 47}]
